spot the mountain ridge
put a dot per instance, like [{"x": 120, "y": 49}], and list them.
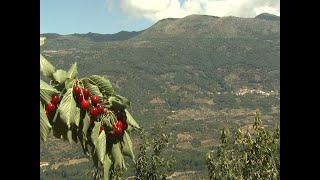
[{"x": 168, "y": 24}]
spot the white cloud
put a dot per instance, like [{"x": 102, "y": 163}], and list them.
[{"x": 155, "y": 10}]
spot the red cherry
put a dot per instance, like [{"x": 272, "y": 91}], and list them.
[
  {"x": 124, "y": 120},
  {"x": 118, "y": 131},
  {"x": 94, "y": 112},
  {"x": 94, "y": 99},
  {"x": 125, "y": 126},
  {"x": 119, "y": 124},
  {"x": 50, "y": 107},
  {"x": 85, "y": 104},
  {"x": 55, "y": 99},
  {"x": 80, "y": 97},
  {"x": 86, "y": 93},
  {"x": 101, "y": 129},
  {"x": 119, "y": 116},
  {"x": 76, "y": 90},
  {"x": 111, "y": 136},
  {"x": 100, "y": 108},
  {"x": 47, "y": 112}
]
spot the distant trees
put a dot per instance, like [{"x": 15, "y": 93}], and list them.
[{"x": 246, "y": 155}]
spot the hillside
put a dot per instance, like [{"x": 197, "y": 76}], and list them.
[
  {"x": 268, "y": 16},
  {"x": 202, "y": 72}
]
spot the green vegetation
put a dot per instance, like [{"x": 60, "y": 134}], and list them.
[
  {"x": 154, "y": 166},
  {"x": 246, "y": 155},
  {"x": 187, "y": 70}
]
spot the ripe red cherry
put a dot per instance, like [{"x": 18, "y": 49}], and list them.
[
  {"x": 101, "y": 129},
  {"x": 76, "y": 90},
  {"x": 91, "y": 121},
  {"x": 85, "y": 104},
  {"x": 100, "y": 108},
  {"x": 94, "y": 112},
  {"x": 47, "y": 112},
  {"x": 80, "y": 97},
  {"x": 86, "y": 93},
  {"x": 125, "y": 126},
  {"x": 119, "y": 116},
  {"x": 124, "y": 120},
  {"x": 111, "y": 136},
  {"x": 118, "y": 131},
  {"x": 94, "y": 99},
  {"x": 119, "y": 124},
  {"x": 55, "y": 99},
  {"x": 50, "y": 107}
]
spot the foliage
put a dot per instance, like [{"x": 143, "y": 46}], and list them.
[
  {"x": 103, "y": 135},
  {"x": 154, "y": 166},
  {"x": 250, "y": 155}
]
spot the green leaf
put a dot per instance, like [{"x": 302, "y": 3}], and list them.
[
  {"x": 59, "y": 129},
  {"x": 101, "y": 146},
  {"x": 95, "y": 133},
  {"x": 126, "y": 144},
  {"x": 95, "y": 158},
  {"x": 72, "y": 73},
  {"x": 117, "y": 156},
  {"x": 67, "y": 109},
  {"x": 46, "y": 92},
  {"x": 94, "y": 90},
  {"x": 106, "y": 167},
  {"x": 129, "y": 128},
  {"x": 46, "y": 67},
  {"x": 123, "y": 100},
  {"x": 60, "y": 76},
  {"x": 68, "y": 83},
  {"x": 103, "y": 84},
  {"x": 43, "y": 116},
  {"x": 42, "y": 40},
  {"x": 56, "y": 115},
  {"x": 106, "y": 123},
  {"x": 44, "y": 130},
  {"x": 131, "y": 121},
  {"x": 82, "y": 131},
  {"x": 116, "y": 104},
  {"x": 86, "y": 125},
  {"x": 77, "y": 116},
  {"x": 69, "y": 136},
  {"x": 45, "y": 126}
]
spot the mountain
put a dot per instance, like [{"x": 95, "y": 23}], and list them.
[
  {"x": 267, "y": 16},
  {"x": 120, "y": 36},
  {"x": 199, "y": 26},
  {"x": 202, "y": 72}
]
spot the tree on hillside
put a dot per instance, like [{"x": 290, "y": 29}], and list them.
[{"x": 246, "y": 155}]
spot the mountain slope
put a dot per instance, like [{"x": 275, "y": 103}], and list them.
[{"x": 267, "y": 16}]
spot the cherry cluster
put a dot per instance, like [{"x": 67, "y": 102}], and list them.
[
  {"x": 52, "y": 105},
  {"x": 82, "y": 97},
  {"x": 119, "y": 126}
]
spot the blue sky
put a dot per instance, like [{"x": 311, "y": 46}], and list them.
[{"x": 112, "y": 16}]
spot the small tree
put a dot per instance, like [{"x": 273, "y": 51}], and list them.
[
  {"x": 87, "y": 110},
  {"x": 250, "y": 155},
  {"x": 154, "y": 167}
]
